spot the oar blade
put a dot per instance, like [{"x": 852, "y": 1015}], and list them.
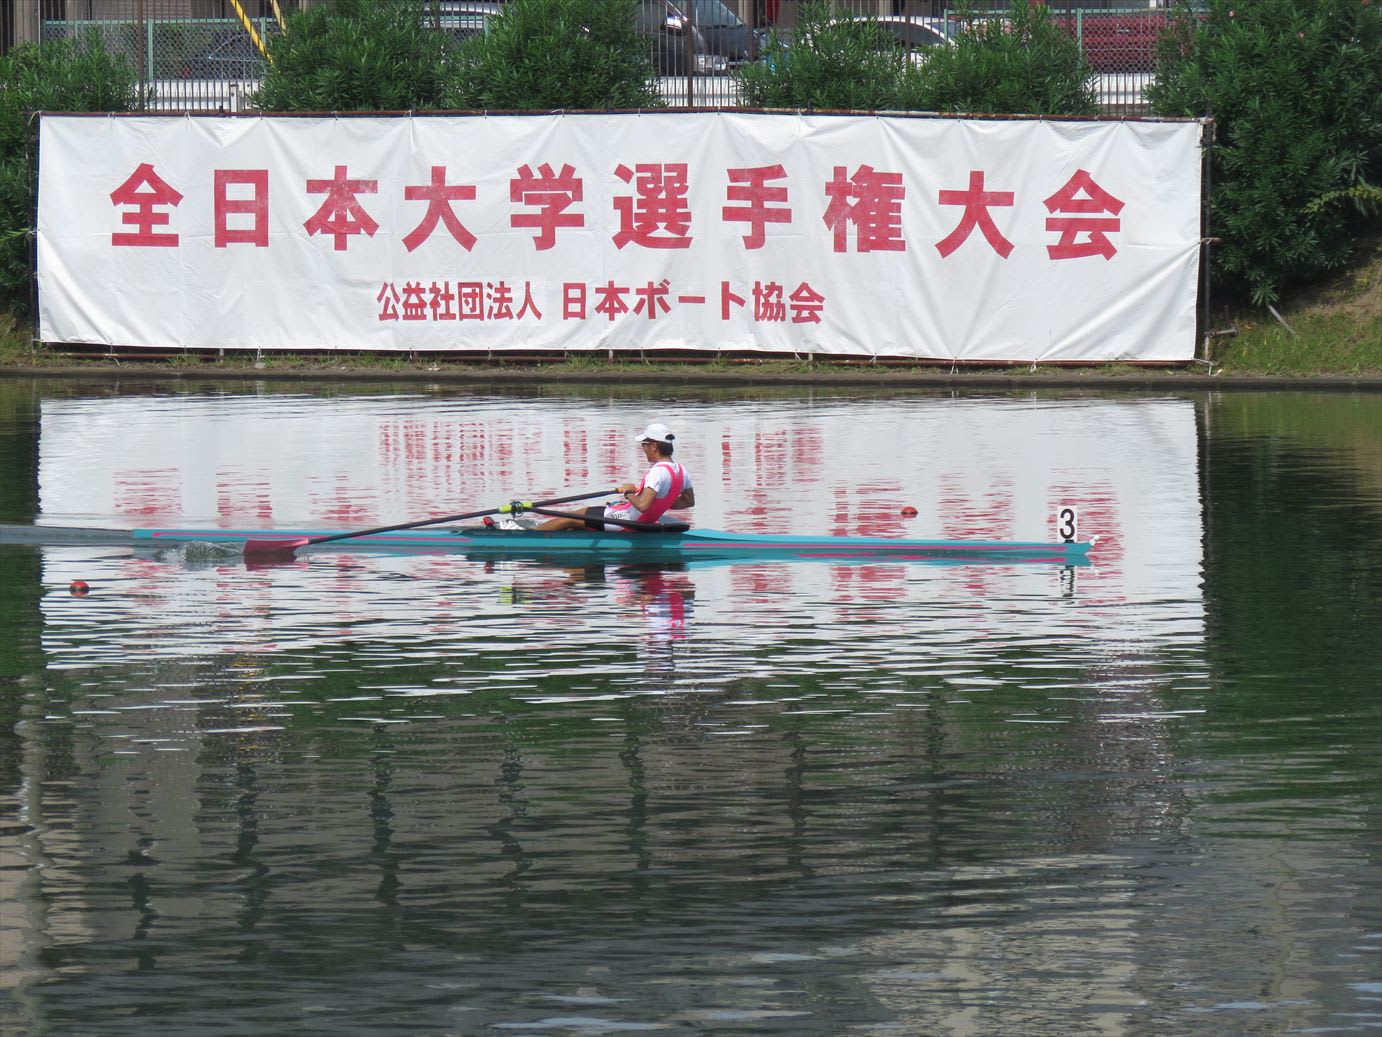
[{"x": 270, "y": 550}]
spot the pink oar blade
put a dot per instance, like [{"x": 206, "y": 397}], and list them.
[{"x": 265, "y": 549}]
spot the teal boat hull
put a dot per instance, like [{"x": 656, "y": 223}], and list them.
[{"x": 492, "y": 542}]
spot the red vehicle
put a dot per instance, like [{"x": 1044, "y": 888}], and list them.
[{"x": 1117, "y": 41}]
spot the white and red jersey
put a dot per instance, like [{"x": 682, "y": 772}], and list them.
[{"x": 668, "y": 479}]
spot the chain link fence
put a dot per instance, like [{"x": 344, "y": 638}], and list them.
[
  {"x": 1120, "y": 44},
  {"x": 695, "y": 46},
  {"x": 186, "y": 64}
]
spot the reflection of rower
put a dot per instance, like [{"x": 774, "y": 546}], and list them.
[
  {"x": 664, "y": 597},
  {"x": 667, "y": 602}
]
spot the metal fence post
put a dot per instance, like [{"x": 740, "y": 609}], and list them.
[
  {"x": 143, "y": 53},
  {"x": 689, "y": 32},
  {"x": 149, "y": 51}
]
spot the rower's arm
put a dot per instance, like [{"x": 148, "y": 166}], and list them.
[{"x": 643, "y": 499}]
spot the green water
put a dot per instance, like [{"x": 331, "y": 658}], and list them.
[{"x": 419, "y": 795}]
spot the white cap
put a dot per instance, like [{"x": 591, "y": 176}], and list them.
[{"x": 657, "y": 432}]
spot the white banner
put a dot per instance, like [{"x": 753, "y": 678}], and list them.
[{"x": 886, "y": 236}]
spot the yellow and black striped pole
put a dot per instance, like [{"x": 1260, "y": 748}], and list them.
[
  {"x": 278, "y": 16},
  {"x": 255, "y": 38}
]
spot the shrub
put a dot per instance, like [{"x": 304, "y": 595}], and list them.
[
  {"x": 829, "y": 62},
  {"x": 1295, "y": 89},
  {"x": 541, "y": 55},
  {"x": 1024, "y": 64},
  {"x": 68, "y": 75},
  {"x": 357, "y": 56},
  {"x": 1020, "y": 64}
]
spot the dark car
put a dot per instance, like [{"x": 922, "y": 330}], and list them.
[
  {"x": 724, "y": 33},
  {"x": 231, "y": 55},
  {"x": 915, "y": 35},
  {"x": 668, "y": 32}
]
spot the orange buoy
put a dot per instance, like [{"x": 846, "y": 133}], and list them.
[
  {"x": 909, "y": 512},
  {"x": 79, "y": 588}
]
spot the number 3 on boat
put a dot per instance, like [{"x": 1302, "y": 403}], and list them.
[{"x": 1067, "y": 522}]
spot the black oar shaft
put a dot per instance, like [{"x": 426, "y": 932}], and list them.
[
  {"x": 271, "y": 547},
  {"x": 525, "y": 506}
]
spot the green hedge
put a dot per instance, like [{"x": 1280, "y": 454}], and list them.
[
  {"x": 363, "y": 55},
  {"x": 68, "y": 75},
  {"x": 541, "y": 55},
  {"x": 829, "y": 61},
  {"x": 358, "y": 56},
  {"x": 1019, "y": 63},
  {"x": 1295, "y": 89}
]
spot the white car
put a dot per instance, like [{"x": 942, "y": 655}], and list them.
[{"x": 913, "y": 33}]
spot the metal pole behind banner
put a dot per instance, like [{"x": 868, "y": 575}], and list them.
[
  {"x": 1207, "y": 242},
  {"x": 140, "y": 23},
  {"x": 30, "y": 158},
  {"x": 689, "y": 21}
]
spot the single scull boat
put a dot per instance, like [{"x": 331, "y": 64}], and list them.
[
  {"x": 678, "y": 544},
  {"x": 682, "y": 545}
]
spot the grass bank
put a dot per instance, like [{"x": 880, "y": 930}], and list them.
[
  {"x": 1329, "y": 330},
  {"x": 1334, "y": 328}
]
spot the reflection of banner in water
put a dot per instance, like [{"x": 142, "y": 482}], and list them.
[{"x": 990, "y": 468}]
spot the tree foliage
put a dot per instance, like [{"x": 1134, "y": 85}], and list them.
[
  {"x": 1023, "y": 64},
  {"x": 1019, "y": 64},
  {"x": 67, "y": 75},
  {"x": 542, "y": 55},
  {"x": 1295, "y": 89},
  {"x": 358, "y": 56},
  {"x": 829, "y": 62}
]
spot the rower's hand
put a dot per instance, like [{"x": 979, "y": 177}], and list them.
[{"x": 627, "y": 487}]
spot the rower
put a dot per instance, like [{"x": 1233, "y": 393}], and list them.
[{"x": 666, "y": 485}]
